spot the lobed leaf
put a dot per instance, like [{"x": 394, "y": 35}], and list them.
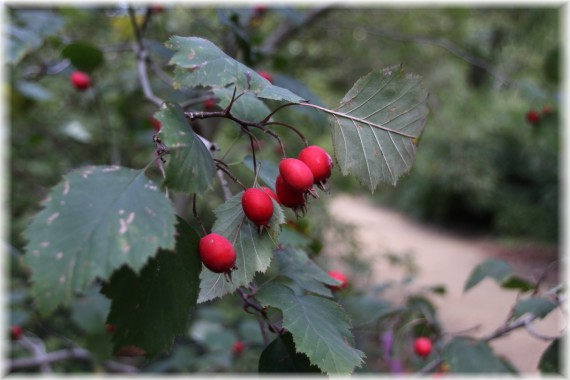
[
  {"x": 190, "y": 167},
  {"x": 320, "y": 328},
  {"x": 96, "y": 220},
  {"x": 376, "y": 127},
  {"x": 254, "y": 251},
  {"x": 150, "y": 309},
  {"x": 201, "y": 63}
]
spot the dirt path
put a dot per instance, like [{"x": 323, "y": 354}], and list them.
[{"x": 448, "y": 260}]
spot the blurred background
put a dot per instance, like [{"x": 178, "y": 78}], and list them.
[{"x": 486, "y": 175}]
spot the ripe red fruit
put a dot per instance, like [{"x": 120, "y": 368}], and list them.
[
  {"x": 80, "y": 80},
  {"x": 319, "y": 161},
  {"x": 209, "y": 104},
  {"x": 156, "y": 125},
  {"x": 16, "y": 332},
  {"x": 338, "y": 276},
  {"x": 257, "y": 206},
  {"x": 266, "y": 74},
  {"x": 110, "y": 328},
  {"x": 270, "y": 192},
  {"x": 287, "y": 196},
  {"x": 217, "y": 253},
  {"x": 533, "y": 116},
  {"x": 422, "y": 346},
  {"x": 296, "y": 174},
  {"x": 238, "y": 347}
]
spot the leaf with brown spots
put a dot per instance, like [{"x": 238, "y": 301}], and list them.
[
  {"x": 96, "y": 220},
  {"x": 201, "y": 63}
]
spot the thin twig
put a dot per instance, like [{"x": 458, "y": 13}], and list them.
[{"x": 223, "y": 167}]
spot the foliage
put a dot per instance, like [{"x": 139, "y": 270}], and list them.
[{"x": 129, "y": 282}]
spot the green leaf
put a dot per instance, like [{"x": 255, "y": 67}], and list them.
[
  {"x": 83, "y": 55},
  {"x": 538, "y": 306},
  {"x": 550, "y": 359},
  {"x": 320, "y": 328},
  {"x": 497, "y": 269},
  {"x": 280, "y": 357},
  {"x": 376, "y": 127},
  {"x": 296, "y": 265},
  {"x": 28, "y": 31},
  {"x": 190, "y": 167},
  {"x": 515, "y": 282},
  {"x": 90, "y": 311},
  {"x": 247, "y": 107},
  {"x": 201, "y": 63},
  {"x": 254, "y": 251},
  {"x": 268, "y": 171},
  {"x": 96, "y": 220},
  {"x": 466, "y": 355},
  {"x": 150, "y": 309}
]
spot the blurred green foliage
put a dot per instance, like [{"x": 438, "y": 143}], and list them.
[{"x": 479, "y": 162}]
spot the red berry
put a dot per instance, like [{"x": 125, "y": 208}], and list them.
[
  {"x": 80, "y": 80},
  {"x": 266, "y": 74},
  {"x": 547, "y": 109},
  {"x": 270, "y": 193},
  {"x": 422, "y": 346},
  {"x": 238, "y": 347},
  {"x": 260, "y": 9},
  {"x": 296, "y": 174},
  {"x": 217, "y": 253},
  {"x": 157, "y": 8},
  {"x": 16, "y": 332},
  {"x": 257, "y": 206},
  {"x": 110, "y": 328},
  {"x": 156, "y": 124},
  {"x": 533, "y": 116},
  {"x": 319, "y": 161},
  {"x": 210, "y": 104},
  {"x": 287, "y": 196},
  {"x": 338, "y": 276}
]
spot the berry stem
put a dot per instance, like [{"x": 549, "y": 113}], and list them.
[
  {"x": 196, "y": 214},
  {"x": 302, "y": 136},
  {"x": 223, "y": 167}
]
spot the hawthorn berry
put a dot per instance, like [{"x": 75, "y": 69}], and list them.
[
  {"x": 266, "y": 74},
  {"x": 238, "y": 347},
  {"x": 287, "y": 196},
  {"x": 257, "y": 206},
  {"x": 270, "y": 193},
  {"x": 337, "y": 275},
  {"x": 422, "y": 346},
  {"x": 217, "y": 253},
  {"x": 156, "y": 124},
  {"x": 16, "y": 332},
  {"x": 80, "y": 80},
  {"x": 319, "y": 161},
  {"x": 533, "y": 116},
  {"x": 110, "y": 328},
  {"x": 296, "y": 174},
  {"x": 210, "y": 104}
]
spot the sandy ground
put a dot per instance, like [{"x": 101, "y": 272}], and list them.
[{"x": 446, "y": 259}]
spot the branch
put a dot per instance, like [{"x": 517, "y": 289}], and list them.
[
  {"x": 288, "y": 30},
  {"x": 57, "y": 356}
]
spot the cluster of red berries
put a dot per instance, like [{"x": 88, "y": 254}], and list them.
[{"x": 295, "y": 181}]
